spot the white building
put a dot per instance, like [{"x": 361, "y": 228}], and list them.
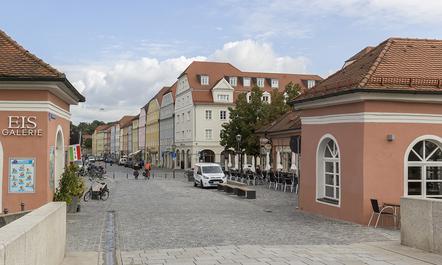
[{"x": 204, "y": 92}]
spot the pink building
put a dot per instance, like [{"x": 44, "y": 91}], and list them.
[{"x": 373, "y": 130}]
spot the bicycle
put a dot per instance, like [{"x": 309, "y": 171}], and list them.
[{"x": 101, "y": 189}]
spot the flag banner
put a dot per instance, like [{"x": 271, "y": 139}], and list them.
[{"x": 74, "y": 152}]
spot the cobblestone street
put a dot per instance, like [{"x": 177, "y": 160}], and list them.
[{"x": 166, "y": 213}]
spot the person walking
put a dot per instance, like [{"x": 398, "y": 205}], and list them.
[{"x": 147, "y": 168}]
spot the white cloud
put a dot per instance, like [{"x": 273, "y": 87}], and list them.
[
  {"x": 114, "y": 89},
  {"x": 282, "y": 19},
  {"x": 250, "y": 55}
]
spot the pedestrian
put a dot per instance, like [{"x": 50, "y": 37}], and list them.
[{"x": 147, "y": 168}]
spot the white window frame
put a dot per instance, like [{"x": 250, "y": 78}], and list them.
[
  {"x": 260, "y": 82},
  {"x": 275, "y": 83},
  {"x": 208, "y": 114},
  {"x": 204, "y": 80},
  {"x": 233, "y": 80},
  {"x": 423, "y": 164},
  {"x": 311, "y": 83},
  {"x": 188, "y": 115},
  {"x": 246, "y": 81},
  {"x": 321, "y": 161},
  {"x": 221, "y": 112},
  {"x": 208, "y": 134}
]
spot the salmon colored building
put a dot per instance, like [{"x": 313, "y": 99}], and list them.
[
  {"x": 34, "y": 126},
  {"x": 373, "y": 130}
]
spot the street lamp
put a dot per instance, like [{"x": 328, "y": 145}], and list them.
[
  {"x": 238, "y": 140},
  {"x": 174, "y": 159}
]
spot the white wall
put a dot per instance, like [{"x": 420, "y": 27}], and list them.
[{"x": 38, "y": 238}]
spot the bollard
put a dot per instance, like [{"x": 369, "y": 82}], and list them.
[
  {"x": 5, "y": 211},
  {"x": 174, "y": 173},
  {"x": 127, "y": 175},
  {"x": 113, "y": 175},
  {"x": 22, "y": 206},
  {"x": 165, "y": 175}
]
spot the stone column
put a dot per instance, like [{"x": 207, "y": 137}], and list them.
[
  {"x": 278, "y": 160},
  {"x": 229, "y": 165},
  {"x": 236, "y": 161}
]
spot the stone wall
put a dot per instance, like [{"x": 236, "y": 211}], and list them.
[
  {"x": 37, "y": 238},
  {"x": 421, "y": 225}
]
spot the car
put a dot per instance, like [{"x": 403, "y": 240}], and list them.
[
  {"x": 79, "y": 164},
  {"x": 208, "y": 175},
  {"x": 122, "y": 161},
  {"x": 91, "y": 159}
]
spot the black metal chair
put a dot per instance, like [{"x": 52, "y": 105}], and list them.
[
  {"x": 381, "y": 212},
  {"x": 272, "y": 179}
]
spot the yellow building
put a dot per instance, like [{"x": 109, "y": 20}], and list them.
[
  {"x": 135, "y": 123},
  {"x": 125, "y": 138},
  {"x": 99, "y": 140},
  {"x": 153, "y": 128}
]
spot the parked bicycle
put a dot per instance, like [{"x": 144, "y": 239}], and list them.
[{"x": 99, "y": 189}]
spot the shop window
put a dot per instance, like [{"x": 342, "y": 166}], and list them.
[
  {"x": 424, "y": 170},
  {"x": 328, "y": 172}
]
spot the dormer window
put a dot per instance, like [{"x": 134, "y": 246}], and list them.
[
  {"x": 311, "y": 83},
  {"x": 246, "y": 81},
  {"x": 260, "y": 82},
  {"x": 233, "y": 80},
  {"x": 275, "y": 83},
  {"x": 204, "y": 80}
]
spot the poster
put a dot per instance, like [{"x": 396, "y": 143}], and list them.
[
  {"x": 21, "y": 175},
  {"x": 51, "y": 167}
]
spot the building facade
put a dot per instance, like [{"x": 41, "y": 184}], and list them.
[
  {"x": 142, "y": 131},
  {"x": 135, "y": 122},
  {"x": 373, "y": 131},
  {"x": 35, "y": 101},
  {"x": 205, "y": 91},
  {"x": 153, "y": 128},
  {"x": 100, "y": 140},
  {"x": 167, "y": 128}
]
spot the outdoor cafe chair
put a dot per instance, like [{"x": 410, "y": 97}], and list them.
[
  {"x": 280, "y": 180},
  {"x": 378, "y": 211},
  {"x": 272, "y": 179},
  {"x": 251, "y": 178},
  {"x": 289, "y": 182}
]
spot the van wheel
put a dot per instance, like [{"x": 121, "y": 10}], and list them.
[{"x": 201, "y": 183}]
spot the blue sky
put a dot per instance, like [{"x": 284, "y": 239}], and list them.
[{"x": 110, "y": 48}]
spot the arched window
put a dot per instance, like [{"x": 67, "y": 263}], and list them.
[
  {"x": 328, "y": 188},
  {"x": 424, "y": 169}
]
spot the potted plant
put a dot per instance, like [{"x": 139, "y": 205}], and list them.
[{"x": 70, "y": 188}]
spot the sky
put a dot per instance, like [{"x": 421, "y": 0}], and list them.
[{"x": 118, "y": 54}]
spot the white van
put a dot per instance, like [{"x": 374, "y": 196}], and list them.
[{"x": 208, "y": 175}]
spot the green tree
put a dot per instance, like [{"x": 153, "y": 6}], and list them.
[
  {"x": 292, "y": 91},
  {"x": 87, "y": 143}
]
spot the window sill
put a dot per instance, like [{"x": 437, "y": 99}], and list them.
[{"x": 328, "y": 201}]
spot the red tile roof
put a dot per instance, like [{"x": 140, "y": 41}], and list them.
[
  {"x": 18, "y": 64},
  {"x": 216, "y": 71},
  {"x": 125, "y": 121},
  {"x": 395, "y": 65},
  {"x": 290, "y": 121},
  {"x": 102, "y": 127}
]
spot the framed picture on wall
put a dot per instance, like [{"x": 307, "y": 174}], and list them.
[{"x": 21, "y": 175}]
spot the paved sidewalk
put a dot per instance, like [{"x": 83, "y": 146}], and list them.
[{"x": 359, "y": 253}]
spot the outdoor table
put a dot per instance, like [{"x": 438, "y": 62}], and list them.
[{"x": 395, "y": 207}]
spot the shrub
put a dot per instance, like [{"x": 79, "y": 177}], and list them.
[{"x": 70, "y": 185}]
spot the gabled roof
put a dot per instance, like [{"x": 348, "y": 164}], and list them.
[
  {"x": 396, "y": 65},
  {"x": 125, "y": 121},
  {"x": 160, "y": 94},
  {"x": 218, "y": 70},
  {"x": 359, "y": 54},
  {"x": 290, "y": 121},
  {"x": 18, "y": 64},
  {"x": 102, "y": 127}
]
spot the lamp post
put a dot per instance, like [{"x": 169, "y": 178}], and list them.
[
  {"x": 174, "y": 159},
  {"x": 238, "y": 140}
]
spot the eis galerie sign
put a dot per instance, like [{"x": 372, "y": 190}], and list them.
[{"x": 22, "y": 126}]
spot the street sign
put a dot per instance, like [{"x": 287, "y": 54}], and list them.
[{"x": 173, "y": 156}]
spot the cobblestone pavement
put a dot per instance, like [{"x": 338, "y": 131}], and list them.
[
  {"x": 358, "y": 253},
  {"x": 165, "y": 213}
]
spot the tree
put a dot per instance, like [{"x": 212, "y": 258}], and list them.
[
  {"x": 247, "y": 117},
  {"x": 292, "y": 91},
  {"x": 87, "y": 143}
]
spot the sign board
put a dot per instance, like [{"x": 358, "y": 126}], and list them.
[
  {"x": 22, "y": 126},
  {"x": 174, "y": 156},
  {"x": 21, "y": 175}
]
